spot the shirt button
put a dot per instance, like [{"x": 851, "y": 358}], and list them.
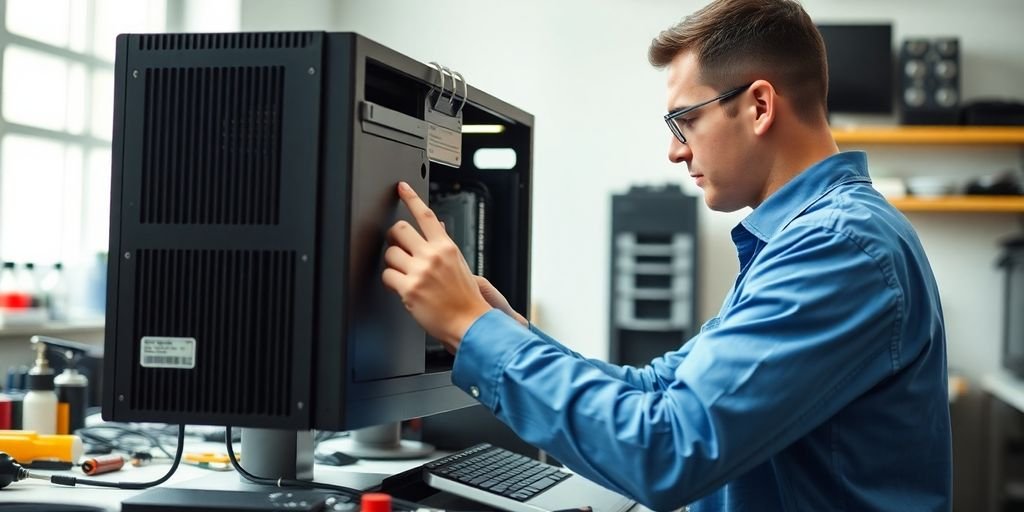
[{"x": 475, "y": 391}]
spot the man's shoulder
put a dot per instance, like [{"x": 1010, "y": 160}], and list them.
[
  {"x": 856, "y": 211},
  {"x": 861, "y": 216}
]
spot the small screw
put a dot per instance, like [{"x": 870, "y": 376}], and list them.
[
  {"x": 311, "y": 71},
  {"x": 120, "y": 398},
  {"x": 127, "y": 255},
  {"x": 305, "y": 258},
  {"x": 300, "y": 405},
  {"x": 135, "y": 73}
]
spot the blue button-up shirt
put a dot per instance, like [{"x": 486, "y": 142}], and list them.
[{"x": 820, "y": 385}]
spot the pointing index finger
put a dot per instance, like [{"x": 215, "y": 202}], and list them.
[{"x": 428, "y": 222}]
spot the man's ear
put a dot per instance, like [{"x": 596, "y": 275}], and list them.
[{"x": 765, "y": 105}]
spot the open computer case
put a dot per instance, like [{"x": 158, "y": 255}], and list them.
[{"x": 253, "y": 182}]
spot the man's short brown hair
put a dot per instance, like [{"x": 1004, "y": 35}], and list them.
[{"x": 739, "y": 41}]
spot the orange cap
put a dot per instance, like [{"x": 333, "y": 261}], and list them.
[{"x": 375, "y": 502}]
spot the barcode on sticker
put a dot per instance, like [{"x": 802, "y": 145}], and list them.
[
  {"x": 167, "y": 352},
  {"x": 171, "y": 360}
]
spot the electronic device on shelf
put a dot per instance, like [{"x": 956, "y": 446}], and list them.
[{"x": 860, "y": 67}]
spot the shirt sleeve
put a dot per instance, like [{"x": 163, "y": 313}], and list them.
[
  {"x": 655, "y": 376},
  {"x": 813, "y": 328}
]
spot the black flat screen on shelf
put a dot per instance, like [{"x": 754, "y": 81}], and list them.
[{"x": 860, "y": 67}]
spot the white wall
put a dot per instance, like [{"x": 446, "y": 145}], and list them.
[
  {"x": 580, "y": 67},
  {"x": 207, "y": 16}
]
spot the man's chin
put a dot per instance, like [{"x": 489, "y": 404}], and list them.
[{"x": 717, "y": 204}]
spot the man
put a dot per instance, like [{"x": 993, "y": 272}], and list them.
[{"x": 821, "y": 383}]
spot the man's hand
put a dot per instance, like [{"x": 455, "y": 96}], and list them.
[
  {"x": 430, "y": 275},
  {"x": 497, "y": 300}
]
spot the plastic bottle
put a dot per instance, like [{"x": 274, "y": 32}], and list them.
[
  {"x": 11, "y": 296},
  {"x": 5, "y": 413},
  {"x": 39, "y": 409},
  {"x": 54, "y": 291},
  {"x": 15, "y": 392},
  {"x": 16, "y": 378},
  {"x": 28, "y": 284},
  {"x": 72, "y": 391}
]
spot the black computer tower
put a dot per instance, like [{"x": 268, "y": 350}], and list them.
[
  {"x": 653, "y": 279},
  {"x": 253, "y": 182}
]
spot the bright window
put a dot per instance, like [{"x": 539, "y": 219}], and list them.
[{"x": 56, "y": 111}]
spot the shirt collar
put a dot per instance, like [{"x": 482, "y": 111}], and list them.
[{"x": 780, "y": 208}]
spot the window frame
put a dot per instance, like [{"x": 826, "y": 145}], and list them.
[{"x": 86, "y": 140}]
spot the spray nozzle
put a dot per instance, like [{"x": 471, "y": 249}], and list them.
[
  {"x": 71, "y": 351},
  {"x": 42, "y": 366}
]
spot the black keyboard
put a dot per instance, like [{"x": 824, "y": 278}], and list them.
[{"x": 497, "y": 470}]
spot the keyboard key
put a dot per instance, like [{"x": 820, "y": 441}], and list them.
[{"x": 542, "y": 484}]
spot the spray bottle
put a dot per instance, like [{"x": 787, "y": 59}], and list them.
[
  {"x": 39, "y": 409},
  {"x": 72, "y": 386}
]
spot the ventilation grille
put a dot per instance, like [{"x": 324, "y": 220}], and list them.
[
  {"x": 211, "y": 146},
  {"x": 238, "y": 306},
  {"x": 222, "y": 41}
]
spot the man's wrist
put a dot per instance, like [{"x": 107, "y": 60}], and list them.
[{"x": 469, "y": 319}]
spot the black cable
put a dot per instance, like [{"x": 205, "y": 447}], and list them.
[
  {"x": 72, "y": 481},
  {"x": 354, "y": 494},
  {"x": 117, "y": 442},
  {"x": 323, "y": 435}
]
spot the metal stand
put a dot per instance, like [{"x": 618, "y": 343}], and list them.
[
  {"x": 384, "y": 442},
  {"x": 278, "y": 453}
]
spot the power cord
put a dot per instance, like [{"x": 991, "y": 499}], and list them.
[
  {"x": 354, "y": 494},
  {"x": 11, "y": 471}
]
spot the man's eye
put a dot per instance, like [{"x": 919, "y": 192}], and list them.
[{"x": 687, "y": 121}]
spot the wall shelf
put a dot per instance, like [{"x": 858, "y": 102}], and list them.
[
  {"x": 980, "y": 135},
  {"x": 965, "y": 204}
]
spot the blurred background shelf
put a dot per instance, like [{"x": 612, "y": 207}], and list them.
[
  {"x": 967, "y": 204},
  {"x": 58, "y": 329},
  {"x": 929, "y": 135}
]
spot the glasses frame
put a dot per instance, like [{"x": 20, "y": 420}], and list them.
[{"x": 670, "y": 118}]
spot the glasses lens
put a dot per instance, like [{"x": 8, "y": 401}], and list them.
[{"x": 677, "y": 130}]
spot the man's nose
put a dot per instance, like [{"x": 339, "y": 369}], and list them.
[{"x": 679, "y": 152}]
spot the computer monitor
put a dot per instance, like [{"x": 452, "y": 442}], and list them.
[
  {"x": 253, "y": 181},
  {"x": 860, "y": 67}
]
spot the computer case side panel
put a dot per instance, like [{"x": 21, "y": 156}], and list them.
[
  {"x": 213, "y": 232},
  {"x": 336, "y": 150},
  {"x": 116, "y": 158}
]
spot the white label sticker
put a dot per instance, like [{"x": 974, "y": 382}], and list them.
[
  {"x": 444, "y": 146},
  {"x": 163, "y": 352}
]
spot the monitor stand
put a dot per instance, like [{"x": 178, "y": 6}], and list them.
[
  {"x": 265, "y": 453},
  {"x": 270, "y": 453},
  {"x": 383, "y": 442}
]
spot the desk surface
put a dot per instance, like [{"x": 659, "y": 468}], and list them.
[{"x": 30, "y": 490}]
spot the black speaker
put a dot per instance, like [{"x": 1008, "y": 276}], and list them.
[{"x": 930, "y": 81}]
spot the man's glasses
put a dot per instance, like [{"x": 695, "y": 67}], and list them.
[{"x": 673, "y": 119}]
